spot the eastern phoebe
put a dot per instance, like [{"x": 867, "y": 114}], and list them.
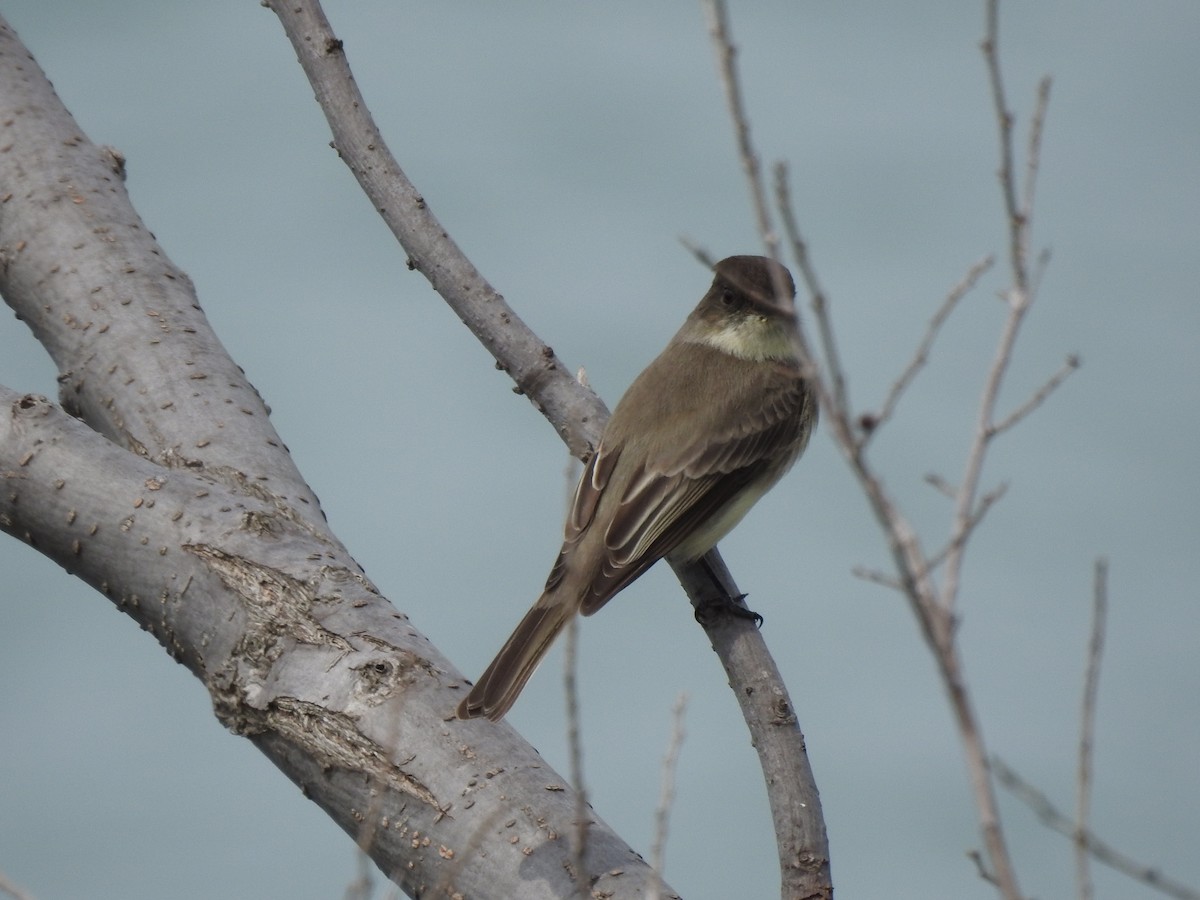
[{"x": 700, "y": 435}]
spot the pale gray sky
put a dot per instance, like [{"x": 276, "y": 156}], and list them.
[{"x": 567, "y": 152}]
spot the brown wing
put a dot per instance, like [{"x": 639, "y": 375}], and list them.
[
  {"x": 682, "y": 487},
  {"x": 589, "y": 490}
]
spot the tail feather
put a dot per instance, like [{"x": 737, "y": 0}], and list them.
[{"x": 501, "y": 683}]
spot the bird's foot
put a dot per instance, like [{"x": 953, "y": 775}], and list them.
[{"x": 710, "y": 611}]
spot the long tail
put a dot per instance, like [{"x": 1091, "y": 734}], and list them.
[{"x": 500, "y": 685}]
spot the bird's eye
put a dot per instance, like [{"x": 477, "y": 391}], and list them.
[{"x": 727, "y": 297}]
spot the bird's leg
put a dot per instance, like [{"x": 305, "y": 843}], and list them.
[{"x": 710, "y": 610}]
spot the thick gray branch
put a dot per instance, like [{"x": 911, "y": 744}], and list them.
[
  {"x": 301, "y": 654},
  {"x": 137, "y": 358},
  {"x": 207, "y": 536}
]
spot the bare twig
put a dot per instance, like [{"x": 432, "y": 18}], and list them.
[
  {"x": 986, "y": 502},
  {"x": 835, "y": 374},
  {"x": 795, "y": 804},
  {"x": 666, "y": 797},
  {"x": 362, "y": 886},
  {"x": 702, "y": 255},
  {"x": 1019, "y": 296},
  {"x": 1004, "y": 118},
  {"x": 1087, "y": 728},
  {"x": 933, "y": 604},
  {"x": 933, "y": 614},
  {"x": 718, "y": 27},
  {"x": 969, "y": 484},
  {"x": 981, "y": 866},
  {"x": 921, "y": 356},
  {"x": 575, "y": 743},
  {"x": 7, "y": 887},
  {"x": 1039, "y": 270},
  {"x": 1033, "y": 154},
  {"x": 574, "y": 724},
  {"x": 936, "y": 620},
  {"x": 877, "y": 577},
  {"x": 1070, "y": 364},
  {"x": 1101, "y": 851},
  {"x": 940, "y": 484}
]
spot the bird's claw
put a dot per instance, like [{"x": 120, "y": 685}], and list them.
[{"x": 709, "y": 612}]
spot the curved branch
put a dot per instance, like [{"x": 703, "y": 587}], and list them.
[
  {"x": 575, "y": 412},
  {"x": 578, "y": 417},
  {"x": 138, "y": 359}
]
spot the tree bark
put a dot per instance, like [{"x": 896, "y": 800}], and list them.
[{"x": 172, "y": 494}]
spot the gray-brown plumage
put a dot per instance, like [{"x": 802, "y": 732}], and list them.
[{"x": 700, "y": 435}]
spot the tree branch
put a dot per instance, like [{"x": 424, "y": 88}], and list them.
[
  {"x": 1037, "y": 398},
  {"x": 207, "y": 536},
  {"x": 1087, "y": 729},
  {"x": 718, "y": 28},
  {"x": 575, "y": 414},
  {"x": 1019, "y": 298},
  {"x": 921, "y": 355},
  {"x": 12, "y": 890},
  {"x": 1100, "y": 850},
  {"x": 932, "y": 604},
  {"x": 666, "y": 797},
  {"x": 834, "y": 373},
  {"x": 138, "y": 359}
]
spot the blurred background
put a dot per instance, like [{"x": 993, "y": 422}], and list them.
[{"x": 567, "y": 153}]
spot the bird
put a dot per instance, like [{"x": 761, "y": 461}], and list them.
[{"x": 700, "y": 435}]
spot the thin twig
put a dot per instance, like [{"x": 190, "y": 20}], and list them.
[
  {"x": 1034, "y": 151},
  {"x": 933, "y": 608},
  {"x": 921, "y": 356},
  {"x": 966, "y": 512},
  {"x": 361, "y": 887},
  {"x": 876, "y": 577},
  {"x": 941, "y": 485},
  {"x": 836, "y": 375},
  {"x": 1039, "y": 270},
  {"x": 718, "y": 28},
  {"x": 1070, "y": 364},
  {"x": 666, "y": 797},
  {"x": 574, "y": 726},
  {"x": 7, "y": 887},
  {"x": 1019, "y": 297},
  {"x": 795, "y": 804},
  {"x": 986, "y": 502},
  {"x": 968, "y": 485},
  {"x": 575, "y": 743},
  {"x": 1004, "y": 118},
  {"x": 702, "y": 255},
  {"x": 981, "y": 866},
  {"x": 1101, "y": 851},
  {"x": 1087, "y": 728},
  {"x": 903, "y": 541}
]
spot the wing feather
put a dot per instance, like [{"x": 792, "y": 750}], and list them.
[{"x": 684, "y": 486}]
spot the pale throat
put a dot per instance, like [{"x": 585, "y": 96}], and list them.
[{"x": 753, "y": 338}]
